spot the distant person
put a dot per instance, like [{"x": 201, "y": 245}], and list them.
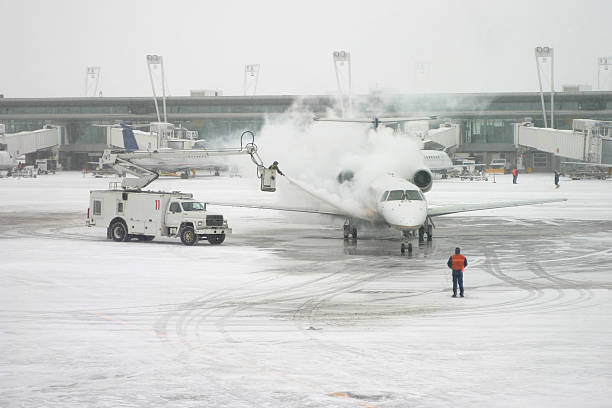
[
  {"x": 274, "y": 166},
  {"x": 457, "y": 262},
  {"x": 514, "y": 175},
  {"x": 557, "y": 175}
]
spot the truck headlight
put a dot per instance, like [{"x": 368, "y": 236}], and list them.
[{"x": 200, "y": 223}]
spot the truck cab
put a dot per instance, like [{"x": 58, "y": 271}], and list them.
[{"x": 188, "y": 213}]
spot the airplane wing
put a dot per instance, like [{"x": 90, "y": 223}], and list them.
[
  {"x": 333, "y": 210},
  {"x": 588, "y": 164},
  {"x": 279, "y": 208},
  {"x": 378, "y": 120},
  {"x": 452, "y": 209}
]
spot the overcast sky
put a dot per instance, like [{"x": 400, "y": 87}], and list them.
[{"x": 466, "y": 46}]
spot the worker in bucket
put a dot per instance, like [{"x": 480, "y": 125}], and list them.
[
  {"x": 557, "y": 178},
  {"x": 274, "y": 166},
  {"x": 457, "y": 262}
]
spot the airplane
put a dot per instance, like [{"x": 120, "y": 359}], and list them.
[
  {"x": 437, "y": 161},
  {"x": 389, "y": 201},
  {"x": 171, "y": 160}
]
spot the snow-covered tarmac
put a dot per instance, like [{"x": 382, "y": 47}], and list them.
[{"x": 287, "y": 314}]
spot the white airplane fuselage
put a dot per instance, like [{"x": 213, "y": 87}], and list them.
[
  {"x": 7, "y": 162},
  {"x": 173, "y": 160},
  {"x": 398, "y": 203},
  {"x": 437, "y": 160}
]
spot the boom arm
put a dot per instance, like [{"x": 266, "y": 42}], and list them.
[{"x": 144, "y": 176}]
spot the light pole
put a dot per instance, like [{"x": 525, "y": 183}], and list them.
[
  {"x": 250, "y": 71},
  {"x": 92, "y": 74},
  {"x": 542, "y": 54},
  {"x": 604, "y": 64},
  {"x": 341, "y": 58},
  {"x": 154, "y": 61}
]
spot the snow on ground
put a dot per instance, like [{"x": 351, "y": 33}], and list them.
[{"x": 286, "y": 313}]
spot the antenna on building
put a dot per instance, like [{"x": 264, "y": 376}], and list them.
[
  {"x": 153, "y": 62},
  {"x": 604, "y": 73},
  {"x": 251, "y": 77},
  {"x": 92, "y": 78},
  {"x": 544, "y": 55},
  {"x": 342, "y": 66}
]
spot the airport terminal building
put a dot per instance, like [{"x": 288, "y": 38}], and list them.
[{"x": 486, "y": 120}]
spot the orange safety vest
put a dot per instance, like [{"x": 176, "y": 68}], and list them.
[
  {"x": 514, "y": 172},
  {"x": 458, "y": 262}
]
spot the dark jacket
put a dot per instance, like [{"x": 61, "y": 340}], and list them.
[{"x": 275, "y": 167}]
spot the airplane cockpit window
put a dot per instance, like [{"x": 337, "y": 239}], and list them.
[
  {"x": 413, "y": 195},
  {"x": 384, "y": 196},
  {"x": 395, "y": 195},
  {"x": 193, "y": 206}
]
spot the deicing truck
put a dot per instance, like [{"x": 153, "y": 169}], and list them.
[
  {"x": 128, "y": 212},
  {"x": 144, "y": 215}
]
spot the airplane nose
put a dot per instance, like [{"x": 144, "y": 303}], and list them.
[{"x": 406, "y": 216}]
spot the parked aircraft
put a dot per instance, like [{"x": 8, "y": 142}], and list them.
[
  {"x": 172, "y": 160},
  {"x": 7, "y": 162}
]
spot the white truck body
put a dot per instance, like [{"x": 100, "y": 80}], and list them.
[{"x": 148, "y": 214}]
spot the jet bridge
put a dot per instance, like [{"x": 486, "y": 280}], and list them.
[
  {"x": 584, "y": 142},
  {"x": 32, "y": 141}
]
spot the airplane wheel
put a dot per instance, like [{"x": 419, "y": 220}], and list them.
[
  {"x": 354, "y": 233},
  {"x": 429, "y": 232},
  {"x": 421, "y": 234}
]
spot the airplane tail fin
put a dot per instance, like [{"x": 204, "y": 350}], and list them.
[{"x": 129, "y": 140}]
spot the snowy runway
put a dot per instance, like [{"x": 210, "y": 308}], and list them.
[{"x": 286, "y": 313}]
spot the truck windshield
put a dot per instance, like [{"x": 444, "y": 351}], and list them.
[{"x": 193, "y": 206}]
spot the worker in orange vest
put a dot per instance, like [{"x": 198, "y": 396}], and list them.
[
  {"x": 514, "y": 175},
  {"x": 457, "y": 262}
]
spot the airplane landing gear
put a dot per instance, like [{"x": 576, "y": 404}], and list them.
[
  {"x": 405, "y": 248},
  {"x": 349, "y": 229}
]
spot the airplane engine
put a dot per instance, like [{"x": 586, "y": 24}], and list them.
[
  {"x": 345, "y": 175},
  {"x": 423, "y": 179}
]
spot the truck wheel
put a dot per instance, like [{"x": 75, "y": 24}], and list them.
[
  {"x": 216, "y": 239},
  {"x": 188, "y": 236},
  {"x": 118, "y": 231}
]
